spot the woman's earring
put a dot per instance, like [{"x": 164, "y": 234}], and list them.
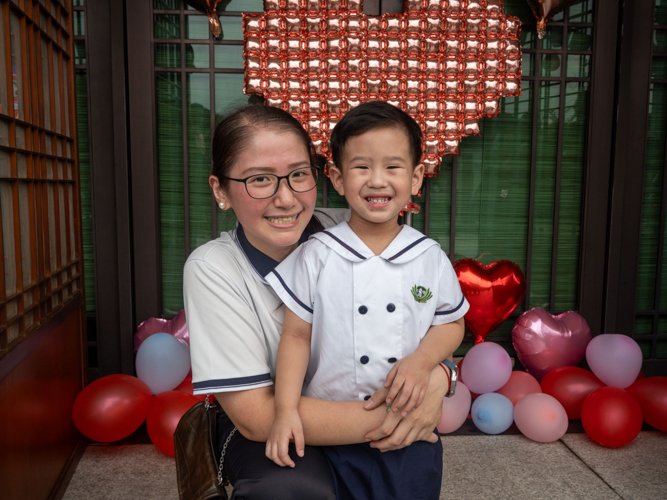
[{"x": 221, "y": 205}]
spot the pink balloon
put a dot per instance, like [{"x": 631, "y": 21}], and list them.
[
  {"x": 455, "y": 410},
  {"x": 544, "y": 342},
  {"x": 615, "y": 359},
  {"x": 541, "y": 417},
  {"x": 176, "y": 327},
  {"x": 519, "y": 385},
  {"x": 488, "y": 367}
]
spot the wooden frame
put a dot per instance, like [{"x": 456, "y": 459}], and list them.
[{"x": 43, "y": 177}]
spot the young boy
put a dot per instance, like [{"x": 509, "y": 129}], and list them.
[{"x": 365, "y": 298}]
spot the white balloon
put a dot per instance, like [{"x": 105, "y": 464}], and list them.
[{"x": 162, "y": 362}]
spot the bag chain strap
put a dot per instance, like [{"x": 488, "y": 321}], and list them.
[
  {"x": 222, "y": 456},
  {"x": 221, "y": 477}
]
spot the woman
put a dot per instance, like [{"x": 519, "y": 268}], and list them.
[{"x": 235, "y": 319}]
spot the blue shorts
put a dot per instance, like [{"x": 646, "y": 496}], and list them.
[{"x": 364, "y": 473}]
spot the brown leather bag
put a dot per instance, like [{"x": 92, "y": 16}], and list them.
[{"x": 198, "y": 468}]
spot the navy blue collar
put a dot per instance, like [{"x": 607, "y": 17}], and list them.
[{"x": 262, "y": 263}]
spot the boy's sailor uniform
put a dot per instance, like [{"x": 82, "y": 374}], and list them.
[{"x": 367, "y": 311}]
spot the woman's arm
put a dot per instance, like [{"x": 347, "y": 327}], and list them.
[{"x": 336, "y": 422}]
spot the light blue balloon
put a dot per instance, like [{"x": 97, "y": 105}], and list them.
[
  {"x": 162, "y": 362},
  {"x": 492, "y": 413}
]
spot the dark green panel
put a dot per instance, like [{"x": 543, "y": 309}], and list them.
[
  {"x": 168, "y": 55},
  {"x": 652, "y": 198},
  {"x": 166, "y": 26},
  {"x": 197, "y": 55},
  {"x": 199, "y": 157},
  {"x": 441, "y": 205},
  {"x": 493, "y": 186},
  {"x": 660, "y": 12},
  {"x": 578, "y": 65},
  {"x": 581, "y": 12},
  {"x": 228, "y": 56},
  {"x": 232, "y": 28},
  {"x": 571, "y": 189},
  {"x": 85, "y": 186},
  {"x": 229, "y": 94},
  {"x": 196, "y": 27},
  {"x": 545, "y": 188},
  {"x": 166, "y": 4},
  {"x": 579, "y": 38},
  {"x": 170, "y": 172},
  {"x": 79, "y": 52}
]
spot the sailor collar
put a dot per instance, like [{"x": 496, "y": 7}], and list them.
[{"x": 407, "y": 245}]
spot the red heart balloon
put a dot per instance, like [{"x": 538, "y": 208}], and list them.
[{"x": 494, "y": 291}]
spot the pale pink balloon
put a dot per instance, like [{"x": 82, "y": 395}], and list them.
[
  {"x": 455, "y": 410},
  {"x": 176, "y": 327},
  {"x": 541, "y": 417},
  {"x": 544, "y": 342},
  {"x": 488, "y": 367},
  {"x": 615, "y": 359},
  {"x": 519, "y": 385}
]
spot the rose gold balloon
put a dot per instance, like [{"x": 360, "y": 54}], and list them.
[
  {"x": 544, "y": 10},
  {"x": 446, "y": 62}
]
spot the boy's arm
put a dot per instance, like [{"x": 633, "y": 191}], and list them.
[
  {"x": 291, "y": 365},
  {"x": 292, "y": 361},
  {"x": 410, "y": 374}
]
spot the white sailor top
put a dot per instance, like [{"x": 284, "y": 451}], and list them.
[{"x": 366, "y": 311}]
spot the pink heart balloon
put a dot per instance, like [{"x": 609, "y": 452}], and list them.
[
  {"x": 544, "y": 342},
  {"x": 176, "y": 327}
]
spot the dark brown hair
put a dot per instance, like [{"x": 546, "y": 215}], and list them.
[
  {"x": 371, "y": 115},
  {"x": 233, "y": 134}
]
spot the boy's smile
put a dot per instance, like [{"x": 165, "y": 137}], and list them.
[{"x": 377, "y": 177}]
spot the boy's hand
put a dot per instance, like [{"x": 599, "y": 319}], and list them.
[
  {"x": 407, "y": 382},
  {"x": 286, "y": 426}
]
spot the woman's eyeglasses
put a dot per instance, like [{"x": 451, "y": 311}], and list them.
[{"x": 263, "y": 186}]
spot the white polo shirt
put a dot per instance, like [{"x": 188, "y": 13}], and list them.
[
  {"x": 367, "y": 311},
  {"x": 234, "y": 318}
]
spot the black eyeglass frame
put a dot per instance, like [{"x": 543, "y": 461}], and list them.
[{"x": 316, "y": 175}]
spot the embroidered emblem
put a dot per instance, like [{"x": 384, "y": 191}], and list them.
[{"x": 421, "y": 294}]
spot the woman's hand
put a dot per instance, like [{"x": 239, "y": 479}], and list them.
[{"x": 398, "y": 432}]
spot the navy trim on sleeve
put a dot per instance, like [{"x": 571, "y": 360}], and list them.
[
  {"x": 228, "y": 383},
  {"x": 442, "y": 313},
  {"x": 345, "y": 245},
  {"x": 406, "y": 249},
  {"x": 282, "y": 282}
]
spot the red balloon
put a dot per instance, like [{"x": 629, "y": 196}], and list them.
[
  {"x": 494, "y": 291},
  {"x": 111, "y": 408},
  {"x": 187, "y": 388},
  {"x": 651, "y": 394},
  {"x": 570, "y": 385},
  {"x": 611, "y": 417},
  {"x": 163, "y": 417},
  {"x": 519, "y": 385}
]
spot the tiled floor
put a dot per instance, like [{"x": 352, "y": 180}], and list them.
[{"x": 476, "y": 467}]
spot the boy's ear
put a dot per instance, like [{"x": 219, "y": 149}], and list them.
[
  {"x": 417, "y": 179},
  {"x": 336, "y": 177}
]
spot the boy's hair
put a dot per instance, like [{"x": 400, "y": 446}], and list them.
[{"x": 373, "y": 115}]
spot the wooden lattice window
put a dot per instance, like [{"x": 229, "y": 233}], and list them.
[{"x": 40, "y": 226}]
